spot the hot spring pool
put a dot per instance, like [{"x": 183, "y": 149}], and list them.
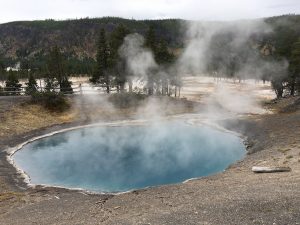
[{"x": 122, "y": 158}]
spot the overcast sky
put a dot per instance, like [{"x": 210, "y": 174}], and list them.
[{"x": 12, "y": 10}]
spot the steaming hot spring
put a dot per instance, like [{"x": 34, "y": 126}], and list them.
[{"x": 126, "y": 157}]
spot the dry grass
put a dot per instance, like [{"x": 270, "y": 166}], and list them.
[
  {"x": 19, "y": 118},
  {"x": 284, "y": 150},
  {"x": 5, "y": 196},
  {"x": 23, "y": 118},
  {"x": 9, "y": 199}
]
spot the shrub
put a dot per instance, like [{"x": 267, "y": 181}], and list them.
[{"x": 51, "y": 100}]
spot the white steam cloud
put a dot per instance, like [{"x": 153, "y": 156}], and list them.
[
  {"x": 205, "y": 43},
  {"x": 139, "y": 60},
  {"x": 229, "y": 49}
]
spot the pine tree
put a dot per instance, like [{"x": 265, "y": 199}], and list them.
[
  {"x": 12, "y": 84},
  {"x": 163, "y": 55},
  {"x": 150, "y": 43},
  {"x": 24, "y": 68},
  {"x": 32, "y": 86},
  {"x": 50, "y": 83},
  {"x": 66, "y": 85},
  {"x": 164, "y": 58},
  {"x": 116, "y": 63},
  {"x": 100, "y": 74},
  {"x": 57, "y": 72},
  {"x": 294, "y": 69},
  {"x": 2, "y": 75},
  {"x": 1, "y": 91},
  {"x": 2, "y": 70}
]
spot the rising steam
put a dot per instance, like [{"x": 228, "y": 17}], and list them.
[
  {"x": 139, "y": 60},
  {"x": 230, "y": 49}
]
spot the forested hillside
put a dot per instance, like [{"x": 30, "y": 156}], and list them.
[
  {"x": 29, "y": 43},
  {"x": 32, "y": 40}
]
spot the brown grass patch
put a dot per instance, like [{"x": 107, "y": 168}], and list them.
[
  {"x": 6, "y": 196},
  {"x": 23, "y": 118},
  {"x": 284, "y": 150}
]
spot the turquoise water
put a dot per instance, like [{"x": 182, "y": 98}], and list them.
[{"x": 114, "y": 159}]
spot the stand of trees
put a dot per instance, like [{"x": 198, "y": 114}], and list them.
[
  {"x": 110, "y": 70},
  {"x": 56, "y": 78},
  {"x": 12, "y": 84},
  {"x": 160, "y": 82},
  {"x": 273, "y": 56},
  {"x": 285, "y": 44},
  {"x": 288, "y": 55},
  {"x": 294, "y": 69},
  {"x": 101, "y": 72},
  {"x": 56, "y": 72}
]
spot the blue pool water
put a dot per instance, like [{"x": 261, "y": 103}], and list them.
[{"x": 114, "y": 159}]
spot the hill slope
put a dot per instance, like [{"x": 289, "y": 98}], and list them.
[
  {"x": 31, "y": 40},
  {"x": 76, "y": 37}
]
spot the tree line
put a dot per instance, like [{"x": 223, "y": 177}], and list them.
[
  {"x": 56, "y": 78},
  {"x": 279, "y": 49},
  {"x": 109, "y": 70}
]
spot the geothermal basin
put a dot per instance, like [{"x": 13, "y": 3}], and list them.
[{"x": 128, "y": 157}]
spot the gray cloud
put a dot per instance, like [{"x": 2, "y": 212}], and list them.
[{"x": 145, "y": 9}]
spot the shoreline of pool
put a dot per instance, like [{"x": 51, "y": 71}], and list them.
[{"x": 25, "y": 178}]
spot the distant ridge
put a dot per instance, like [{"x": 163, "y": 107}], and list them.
[{"x": 77, "y": 37}]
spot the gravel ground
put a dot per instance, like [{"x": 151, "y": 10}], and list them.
[{"x": 236, "y": 196}]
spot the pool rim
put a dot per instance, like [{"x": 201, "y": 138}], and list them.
[{"x": 138, "y": 122}]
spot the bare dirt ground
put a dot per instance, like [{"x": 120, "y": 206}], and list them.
[{"x": 236, "y": 196}]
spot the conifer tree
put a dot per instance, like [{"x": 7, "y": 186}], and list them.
[
  {"x": 66, "y": 85},
  {"x": 57, "y": 72},
  {"x": 2, "y": 75},
  {"x": 12, "y": 84},
  {"x": 163, "y": 55},
  {"x": 32, "y": 86},
  {"x": 2, "y": 70},
  {"x": 100, "y": 74},
  {"x": 294, "y": 67},
  {"x": 50, "y": 83},
  {"x": 150, "y": 43},
  {"x": 117, "y": 64}
]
